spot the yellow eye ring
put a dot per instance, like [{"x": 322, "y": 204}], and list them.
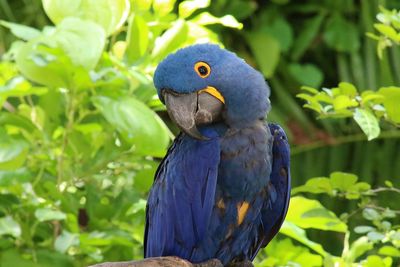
[{"x": 202, "y": 69}]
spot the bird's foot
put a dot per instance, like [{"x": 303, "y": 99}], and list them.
[{"x": 245, "y": 263}]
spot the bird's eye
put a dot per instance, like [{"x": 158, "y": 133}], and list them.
[{"x": 202, "y": 69}]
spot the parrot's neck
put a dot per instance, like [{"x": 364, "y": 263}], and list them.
[{"x": 222, "y": 128}]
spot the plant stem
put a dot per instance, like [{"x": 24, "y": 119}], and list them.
[
  {"x": 343, "y": 67},
  {"x": 342, "y": 140},
  {"x": 70, "y": 111},
  {"x": 346, "y": 245},
  {"x": 385, "y": 189},
  {"x": 9, "y": 107}
]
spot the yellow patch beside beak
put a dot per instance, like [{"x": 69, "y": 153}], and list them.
[{"x": 214, "y": 92}]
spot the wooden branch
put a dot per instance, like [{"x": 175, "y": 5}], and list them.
[{"x": 160, "y": 262}]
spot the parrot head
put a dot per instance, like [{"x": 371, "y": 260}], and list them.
[{"x": 204, "y": 84}]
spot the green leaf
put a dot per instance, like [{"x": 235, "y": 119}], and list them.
[
  {"x": 50, "y": 258},
  {"x": 47, "y": 214},
  {"x": 358, "y": 248},
  {"x": 206, "y": 18},
  {"x": 199, "y": 33},
  {"x": 285, "y": 253},
  {"x": 88, "y": 128},
  {"x": 62, "y": 58},
  {"x": 34, "y": 113},
  {"x": 65, "y": 241},
  {"x": 316, "y": 185},
  {"x": 368, "y": 123},
  {"x": 110, "y": 14},
  {"x": 19, "y": 176},
  {"x": 13, "y": 257},
  {"x": 8, "y": 226},
  {"x": 387, "y": 31},
  {"x": 361, "y": 187},
  {"x": 389, "y": 251},
  {"x": 395, "y": 236},
  {"x": 137, "y": 38},
  {"x": 13, "y": 153},
  {"x": 388, "y": 213},
  {"x": 341, "y": 34},
  {"x": 266, "y": 51},
  {"x": 368, "y": 96},
  {"x": 375, "y": 236},
  {"x": 18, "y": 86},
  {"x": 342, "y": 102},
  {"x": 348, "y": 89},
  {"x": 306, "y": 36},
  {"x": 362, "y": 229},
  {"x": 307, "y": 74},
  {"x": 21, "y": 31},
  {"x": 94, "y": 239},
  {"x": 386, "y": 226},
  {"x": 75, "y": 36},
  {"x": 291, "y": 230},
  {"x": 8, "y": 201},
  {"x": 376, "y": 261},
  {"x": 140, "y": 205},
  {"x": 391, "y": 102},
  {"x": 138, "y": 124},
  {"x": 282, "y": 31},
  {"x": 145, "y": 176},
  {"x": 307, "y": 213},
  {"x": 186, "y": 8},
  {"x": 343, "y": 181},
  {"x": 310, "y": 89},
  {"x": 371, "y": 214},
  {"x": 388, "y": 183},
  {"x": 163, "y": 7},
  {"x": 171, "y": 40}
]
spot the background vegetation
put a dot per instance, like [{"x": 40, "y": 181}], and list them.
[{"x": 82, "y": 132}]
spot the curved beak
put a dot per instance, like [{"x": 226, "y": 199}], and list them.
[{"x": 191, "y": 110}]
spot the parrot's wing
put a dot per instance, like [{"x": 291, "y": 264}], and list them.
[
  {"x": 182, "y": 197},
  {"x": 275, "y": 208}
]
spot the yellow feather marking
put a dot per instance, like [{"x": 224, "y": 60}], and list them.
[
  {"x": 242, "y": 211},
  {"x": 221, "y": 204},
  {"x": 214, "y": 92}
]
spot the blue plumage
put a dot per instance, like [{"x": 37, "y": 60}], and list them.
[
  {"x": 225, "y": 196},
  {"x": 184, "y": 185},
  {"x": 239, "y": 83}
]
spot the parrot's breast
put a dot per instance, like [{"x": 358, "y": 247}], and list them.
[
  {"x": 246, "y": 160},
  {"x": 243, "y": 177},
  {"x": 207, "y": 199}
]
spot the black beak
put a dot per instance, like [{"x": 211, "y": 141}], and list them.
[{"x": 190, "y": 110}]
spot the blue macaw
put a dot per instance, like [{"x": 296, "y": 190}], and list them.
[{"x": 222, "y": 191}]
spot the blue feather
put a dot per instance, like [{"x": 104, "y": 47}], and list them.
[
  {"x": 276, "y": 206},
  {"x": 181, "y": 200},
  {"x": 225, "y": 197}
]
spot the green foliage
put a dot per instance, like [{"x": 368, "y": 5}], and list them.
[
  {"x": 109, "y": 14},
  {"x": 307, "y": 213},
  {"x": 284, "y": 251},
  {"x": 388, "y": 29},
  {"x": 366, "y": 108},
  {"x": 378, "y": 235},
  {"x": 338, "y": 183},
  {"x": 336, "y": 38},
  {"x": 80, "y": 136}
]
